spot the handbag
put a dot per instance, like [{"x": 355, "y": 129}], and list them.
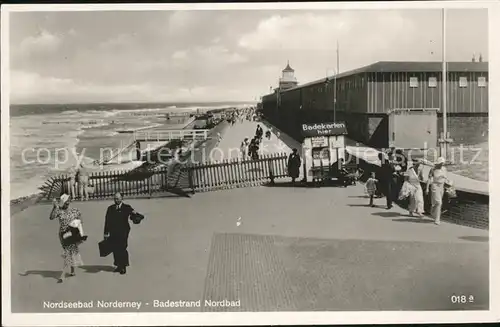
[
  {"x": 105, "y": 248},
  {"x": 72, "y": 236},
  {"x": 406, "y": 190},
  {"x": 450, "y": 191}
]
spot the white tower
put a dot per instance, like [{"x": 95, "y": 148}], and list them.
[{"x": 288, "y": 79}]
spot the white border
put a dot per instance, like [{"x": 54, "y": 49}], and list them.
[{"x": 271, "y": 318}]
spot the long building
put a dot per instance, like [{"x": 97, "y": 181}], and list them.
[{"x": 364, "y": 97}]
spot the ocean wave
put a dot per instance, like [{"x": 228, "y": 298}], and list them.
[{"x": 69, "y": 112}]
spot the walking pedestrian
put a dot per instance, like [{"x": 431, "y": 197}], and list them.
[
  {"x": 293, "y": 165},
  {"x": 244, "y": 148},
  {"x": 435, "y": 182},
  {"x": 371, "y": 187},
  {"x": 253, "y": 149},
  {"x": 83, "y": 182},
  {"x": 69, "y": 218},
  {"x": 385, "y": 175},
  {"x": 72, "y": 182},
  {"x": 117, "y": 230},
  {"x": 415, "y": 177}
]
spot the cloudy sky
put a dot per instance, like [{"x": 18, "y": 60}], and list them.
[{"x": 68, "y": 57}]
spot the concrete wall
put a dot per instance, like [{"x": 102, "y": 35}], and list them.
[
  {"x": 467, "y": 209},
  {"x": 466, "y": 129}
]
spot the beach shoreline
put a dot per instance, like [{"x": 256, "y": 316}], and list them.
[{"x": 21, "y": 203}]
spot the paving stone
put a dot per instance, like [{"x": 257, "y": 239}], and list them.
[{"x": 269, "y": 273}]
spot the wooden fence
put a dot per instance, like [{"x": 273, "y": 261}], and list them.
[
  {"x": 238, "y": 173},
  {"x": 176, "y": 178}
]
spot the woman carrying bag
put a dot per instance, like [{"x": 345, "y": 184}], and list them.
[{"x": 70, "y": 234}]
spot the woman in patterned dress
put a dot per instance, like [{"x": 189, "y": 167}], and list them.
[{"x": 66, "y": 216}]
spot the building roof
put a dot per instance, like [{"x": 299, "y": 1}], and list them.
[
  {"x": 407, "y": 67},
  {"x": 288, "y": 68}
]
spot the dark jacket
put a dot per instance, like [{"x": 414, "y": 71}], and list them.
[
  {"x": 294, "y": 165},
  {"x": 384, "y": 173},
  {"x": 117, "y": 221}
]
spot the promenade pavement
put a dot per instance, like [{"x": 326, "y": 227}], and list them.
[
  {"x": 272, "y": 248},
  {"x": 233, "y": 135},
  {"x": 228, "y": 149},
  {"x": 293, "y": 249}
]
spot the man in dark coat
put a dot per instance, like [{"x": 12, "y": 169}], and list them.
[
  {"x": 384, "y": 176},
  {"x": 259, "y": 132},
  {"x": 116, "y": 231},
  {"x": 294, "y": 165}
]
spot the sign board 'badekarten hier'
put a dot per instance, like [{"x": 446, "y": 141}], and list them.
[{"x": 324, "y": 129}]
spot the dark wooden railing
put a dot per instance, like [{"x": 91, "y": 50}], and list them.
[{"x": 174, "y": 178}]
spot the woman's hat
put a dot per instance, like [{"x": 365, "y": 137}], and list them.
[
  {"x": 63, "y": 199},
  {"x": 440, "y": 161}
]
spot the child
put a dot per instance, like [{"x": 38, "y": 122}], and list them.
[{"x": 371, "y": 187}]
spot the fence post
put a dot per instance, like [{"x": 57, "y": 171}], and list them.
[
  {"x": 190, "y": 177},
  {"x": 149, "y": 184},
  {"x": 51, "y": 187}
]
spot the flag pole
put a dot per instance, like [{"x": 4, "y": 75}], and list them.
[
  {"x": 444, "y": 88},
  {"x": 335, "y": 85},
  {"x": 338, "y": 58}
]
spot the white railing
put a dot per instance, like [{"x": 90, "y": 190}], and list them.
[{"x": 165, "y": 135}]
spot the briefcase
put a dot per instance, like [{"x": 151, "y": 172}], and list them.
[{"x": 105, "y": 248}]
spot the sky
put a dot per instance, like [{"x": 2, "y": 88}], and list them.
[{"x": 217, "y": 55}]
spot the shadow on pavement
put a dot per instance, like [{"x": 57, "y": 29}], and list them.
[
  {"x": 360, "y": 205},
  {"x": 44, "y": 273},
  {"x": 97, "y": 269},
  {"x": 287, "y": 184},
  {"x": 475, "y": 238},
  {"x": 414, "y": 220},
  {"x": 387, "y": 214}
]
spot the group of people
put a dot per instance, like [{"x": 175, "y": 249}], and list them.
[
  {"x": 71, "y": 233},
  {"x": 79, "y": 180},
  {"x": 395, "y": 179},
  {"x": 248, "y": 114},
  {"x": 250, "y": 148}
]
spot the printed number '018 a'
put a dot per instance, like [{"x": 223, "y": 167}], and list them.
[{"x": 460, "y": 299}]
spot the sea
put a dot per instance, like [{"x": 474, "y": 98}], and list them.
[{"x": 47, "y": 140}]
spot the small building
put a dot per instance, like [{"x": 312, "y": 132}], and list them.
[{"x": 364, "y": 97}]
